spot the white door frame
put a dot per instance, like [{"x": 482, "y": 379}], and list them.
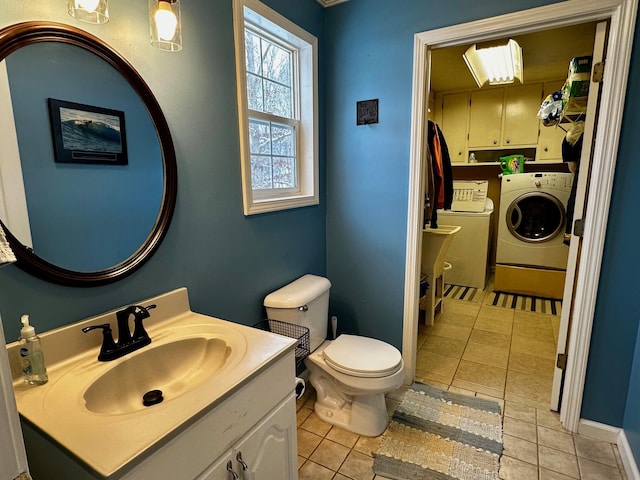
[
  {"x": 622, "y": 15},
  {"x": 13, "y": 458}
]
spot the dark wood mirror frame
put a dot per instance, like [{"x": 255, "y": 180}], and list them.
[{"x": 23, "y": 34}]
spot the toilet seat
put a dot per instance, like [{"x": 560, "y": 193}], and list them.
[{"x": 362, "y": 356}]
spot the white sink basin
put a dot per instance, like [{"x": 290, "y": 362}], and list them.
[{"x": 173, "y": 368}]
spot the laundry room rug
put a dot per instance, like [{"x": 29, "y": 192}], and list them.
[
  {"x": 441, "y": 435},
  {"x": 457, "y": 292},
  {"x": 524, "y": 303}
]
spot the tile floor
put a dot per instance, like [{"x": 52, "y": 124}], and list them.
[{"x": 476, "y": 349}]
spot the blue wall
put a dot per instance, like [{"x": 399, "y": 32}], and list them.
[
  {"x": 80, "y": 215},
  {"x": 369, "y": 55},
  {"x": 632, "y": 414},
  {"x": 228, "y": 262}
]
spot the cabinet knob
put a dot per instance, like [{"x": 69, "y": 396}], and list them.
[
  {"x": 233, "y": 475},
  {"x": 546, "y": 149},
  {"x": 495, "y": 142},
  {"x": 508, "y": 141},
  {"x": 459, "y": 153}
]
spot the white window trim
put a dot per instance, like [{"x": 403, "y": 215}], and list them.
[{"x": 264, "y": 18}]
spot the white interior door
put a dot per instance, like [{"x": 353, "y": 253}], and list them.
[
  {"x": 580, "y": 206},
  {"x": 13, "y": 199},
  {"x": 13, "y": 458}
]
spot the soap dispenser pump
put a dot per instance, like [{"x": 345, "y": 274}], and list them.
[{"x": 31, "y": 355}]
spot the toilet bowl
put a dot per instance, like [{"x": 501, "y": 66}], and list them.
[{"x": 350, "y": 374}]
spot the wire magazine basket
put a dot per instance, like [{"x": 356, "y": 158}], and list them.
[{"x": 290, "y": 330}]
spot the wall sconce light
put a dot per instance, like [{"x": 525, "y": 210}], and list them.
[
  {"x": 165, "y": 24},
  {"x": 90, "y": 11},
  {"x": 496, "y": 64}
]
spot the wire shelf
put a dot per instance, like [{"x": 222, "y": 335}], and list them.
[{"x": 290, "y": 330}]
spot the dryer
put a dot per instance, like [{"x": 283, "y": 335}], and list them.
[{"x": 532, "y": 220}]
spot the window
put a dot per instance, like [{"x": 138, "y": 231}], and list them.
[{"x": 276, "y": 64}]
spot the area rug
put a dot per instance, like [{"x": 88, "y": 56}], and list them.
[
  {"x": 458, "y": 292},
  {"x": 441, "y": 435},
  {"x": 525, "y": 303}
]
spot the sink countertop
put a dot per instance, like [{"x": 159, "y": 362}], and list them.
[{"x": 130, "y": 436}]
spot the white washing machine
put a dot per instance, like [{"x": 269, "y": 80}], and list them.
[
  {"x": 469, "y": 250},
  {"x": 532, "y": 220}
]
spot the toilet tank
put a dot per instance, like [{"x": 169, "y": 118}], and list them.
[{"x": 288, "y": 303}]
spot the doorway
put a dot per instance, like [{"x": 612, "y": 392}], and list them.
[{"x": 621, "y": 14}]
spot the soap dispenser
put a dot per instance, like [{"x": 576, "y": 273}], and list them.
[{"x": 31, "y": 355}]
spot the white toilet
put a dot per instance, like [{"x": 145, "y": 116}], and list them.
[{"x": 350, "y": 374}]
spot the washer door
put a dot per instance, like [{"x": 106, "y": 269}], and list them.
[{"x": 536, "y": 217}]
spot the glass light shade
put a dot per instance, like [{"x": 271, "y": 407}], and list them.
[
  {"x": 495, "y": 65},
  {"x": 90, "y": 11},
  {"x": 165, "y": 24}
]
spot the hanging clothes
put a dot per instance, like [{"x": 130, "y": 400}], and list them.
[{"x": 441, "y": 176}]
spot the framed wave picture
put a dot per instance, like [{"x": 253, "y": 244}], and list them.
[{"x": 87, "y": 134}]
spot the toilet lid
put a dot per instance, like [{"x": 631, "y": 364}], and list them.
[{"x": 362, "y": 356}]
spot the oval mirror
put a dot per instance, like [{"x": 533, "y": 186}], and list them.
[{"x": 88, "y": 176}]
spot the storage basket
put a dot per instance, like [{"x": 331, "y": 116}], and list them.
[{"x": 290, "y": 330}]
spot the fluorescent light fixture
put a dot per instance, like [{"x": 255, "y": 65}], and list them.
[
  {"x": 90, "y": 11},
  {"x": 495, "y": 64},
  {"x": 165, "y": 23}
]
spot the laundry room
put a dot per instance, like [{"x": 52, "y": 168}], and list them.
[{"x": 498, "y": 130}]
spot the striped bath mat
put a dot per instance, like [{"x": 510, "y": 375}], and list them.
[
  {"x": 525, "y": 303},
  {"x": 463, "y": 293},
  {"x": 441, "y": 435}
]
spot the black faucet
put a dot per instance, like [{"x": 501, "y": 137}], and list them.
[{"x": 127, "y": 343}]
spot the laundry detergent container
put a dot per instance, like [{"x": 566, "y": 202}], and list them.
[{"x": 350, "y": 374}]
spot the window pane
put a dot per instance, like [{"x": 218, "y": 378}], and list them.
[
  {"x": 277, "y": 99},
  {"x": 259, "y": 137},
  {"x": 261, "y": 178},
  {"x": 254, "y": 92},
  {"x": 283, "y": 140},
  {"x": 276, "y": 63},
  {"x": 284, "y": 172},
  {"x": 252, "y": 52}
]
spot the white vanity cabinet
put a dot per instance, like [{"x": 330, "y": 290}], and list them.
[
  {"x": 264, "y": 453},
  {"x": 258, "y": 422}
]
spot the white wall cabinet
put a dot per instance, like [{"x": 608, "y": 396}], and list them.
[
  {"x": 505, "y": 117},
  {"x": 454, "y": 116}
]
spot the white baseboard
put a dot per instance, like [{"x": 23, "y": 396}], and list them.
[
  {"x": 598, "y": 431},
  {"x": 607, "y": 433},
  {"x": 629, "y": 462}
]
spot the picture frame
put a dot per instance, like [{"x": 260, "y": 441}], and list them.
[
  {"x": 87, "y": 134},
  {"x": 367, "y": 112}
]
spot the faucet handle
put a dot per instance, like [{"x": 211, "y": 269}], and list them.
[
  {"x": 108, "y": 345},
  {"x": 139, "y": 333}
]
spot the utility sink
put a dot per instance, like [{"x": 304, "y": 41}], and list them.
[
  {"x": 131, "y": 405},
  {"x": 435, "y": 244}
]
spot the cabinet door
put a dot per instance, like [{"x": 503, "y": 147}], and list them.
[
  {"x": 521, "y": 105},
  {"x": 219, "y": 470},
  {"x": 455, "y": 115},
  {"x": 550, "y": 140},
  {"x": 269, "y": 451},
  {"x": 485, "y": 118}
]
